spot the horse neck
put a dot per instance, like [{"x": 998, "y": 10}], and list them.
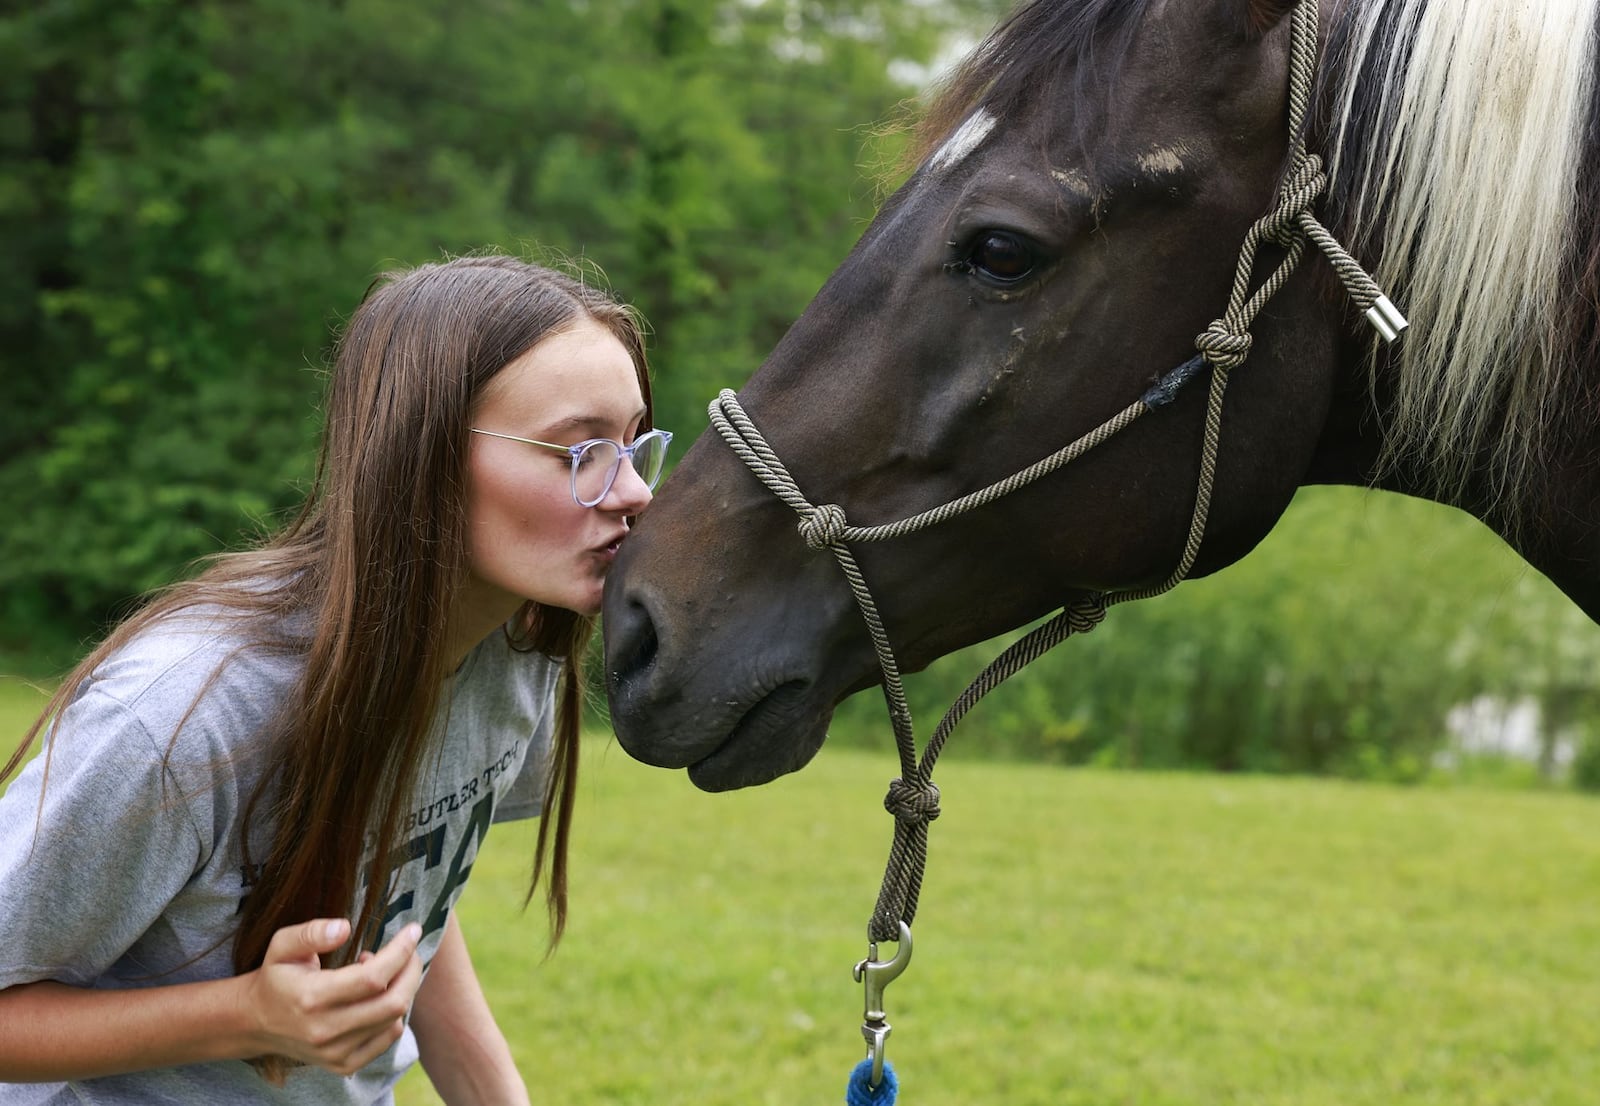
[{"x": 1556, "y": 526}]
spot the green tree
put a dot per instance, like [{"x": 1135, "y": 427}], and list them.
[{"x": 196, "y": 190}]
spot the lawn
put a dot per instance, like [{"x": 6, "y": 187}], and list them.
[
  {"x": 20, "y": 702},
  {"x": 1085, "y": 938}
]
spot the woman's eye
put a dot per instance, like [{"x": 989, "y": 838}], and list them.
[{"x": 1002, "y": 257}]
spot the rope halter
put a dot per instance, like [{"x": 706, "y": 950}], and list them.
[{"x": 1222, "y": 346}]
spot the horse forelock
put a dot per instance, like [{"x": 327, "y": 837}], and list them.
[
  {"x": 1022, "y": 60},
  {"x": 1458, "y": 132}
]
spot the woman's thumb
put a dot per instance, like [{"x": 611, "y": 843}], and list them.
[{"x": 308, "y": 939}]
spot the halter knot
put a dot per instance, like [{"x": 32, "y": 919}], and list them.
[
  {"x": 1085, "y": 614},
  {"x": 824, "y": 525},
  {"x": 1296, "y": 196},
  {"x": 916, "y": 803},
  {"x": 1223, "y": 347}
]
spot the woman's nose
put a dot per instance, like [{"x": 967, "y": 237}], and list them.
[{"x": 629, "y": 493}]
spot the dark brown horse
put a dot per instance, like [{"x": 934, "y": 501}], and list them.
[{"x": 1086, "y": 183}]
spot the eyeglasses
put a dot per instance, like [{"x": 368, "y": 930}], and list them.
[{"x": 596, "y": 462}]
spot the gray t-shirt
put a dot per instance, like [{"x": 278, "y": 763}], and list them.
[{"x": 131, "y": 875}]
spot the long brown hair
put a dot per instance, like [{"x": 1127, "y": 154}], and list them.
[{"x": 366, "y": 575}]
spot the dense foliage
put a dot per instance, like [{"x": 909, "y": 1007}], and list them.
[
  {"x": 196, "y": 191},
  {"x": 1370, "y": 635},
  {"x": 199, "y": 189}
]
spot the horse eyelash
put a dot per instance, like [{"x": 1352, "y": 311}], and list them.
[{"x": 962, "y": 264}]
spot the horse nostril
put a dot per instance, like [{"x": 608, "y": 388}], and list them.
[{"x": 631, "y": 644}]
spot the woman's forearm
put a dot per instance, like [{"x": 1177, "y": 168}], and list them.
[
  {"x": 462, "y": 1049},
  {"x": 339, "y": 1019},
  {"x": 52, "y": 1032}
]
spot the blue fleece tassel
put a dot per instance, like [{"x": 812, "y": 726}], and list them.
[{"x": 860, "y": 1093}]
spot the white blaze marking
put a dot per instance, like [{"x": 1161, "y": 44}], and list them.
[
  {"x": 963, "y": 141},
  {"x": 1076, "y": 184},
  {"x": 1074, "y": 181},
  {"x": 1161, "y": 160}
]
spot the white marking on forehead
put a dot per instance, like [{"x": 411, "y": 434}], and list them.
[
  {"x": 963, "y": 141},
  {"x": 1074, "y": 181},
  {"x": 1162, "y": 160}
]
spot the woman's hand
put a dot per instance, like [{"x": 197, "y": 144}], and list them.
[
  {"x": 288, "y": 1010},
  {"x": 340, "y": 1019}
]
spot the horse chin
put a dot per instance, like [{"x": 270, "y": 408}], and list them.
[
  {"x": 743, "y": 729},
  {"x": 776, "y": 736}
]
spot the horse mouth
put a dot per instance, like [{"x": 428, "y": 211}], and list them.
[{"x": 779, "y": 734}]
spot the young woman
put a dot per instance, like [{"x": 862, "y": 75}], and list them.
[{"x": 229, "y": 876}]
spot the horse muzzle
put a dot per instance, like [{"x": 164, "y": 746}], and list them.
[{"x": 713, "y": 680}]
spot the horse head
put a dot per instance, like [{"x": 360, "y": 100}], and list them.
[{"x": 1072, "y": 226}]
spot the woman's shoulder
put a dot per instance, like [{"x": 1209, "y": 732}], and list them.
[{"x": 217, "y": 673}]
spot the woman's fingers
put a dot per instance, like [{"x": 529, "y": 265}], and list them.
[
  {"x": 359, "y": 1049},
  {"x": 308, "y": 939},
  {"x": 377, "y": 1024},
  {"x": 336, "y": 1018},
  {"x": 368, "y": 978}
]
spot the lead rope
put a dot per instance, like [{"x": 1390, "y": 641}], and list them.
[{"x": 913, "y": 799}]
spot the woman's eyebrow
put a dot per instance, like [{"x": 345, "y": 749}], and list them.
[{"x": 588, "y": 423}]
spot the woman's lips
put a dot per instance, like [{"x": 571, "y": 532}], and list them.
[{"x": 608, "y": 550}]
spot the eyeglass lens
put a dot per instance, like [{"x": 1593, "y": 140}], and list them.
[{"x": 596, "y": 467}]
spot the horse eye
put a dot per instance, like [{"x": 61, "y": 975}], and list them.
[{"x": 1002, "y": 256}]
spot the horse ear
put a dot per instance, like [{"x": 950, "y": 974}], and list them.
[{"x": 1260, "y": 16}]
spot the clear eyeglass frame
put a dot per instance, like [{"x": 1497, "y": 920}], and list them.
[{"x": 596, "y": 461}]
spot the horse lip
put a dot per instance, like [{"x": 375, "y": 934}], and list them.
[{"x": 764, "y": 743}]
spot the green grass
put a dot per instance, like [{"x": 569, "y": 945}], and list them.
[
  {"x": 21, "y": 700},
  {"x": 1084, "y": 937}
]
